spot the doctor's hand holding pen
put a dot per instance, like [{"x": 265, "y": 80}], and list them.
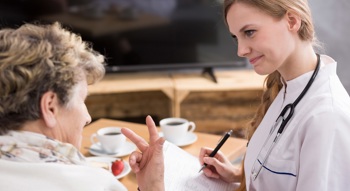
[{"x": 216, "y": 165}]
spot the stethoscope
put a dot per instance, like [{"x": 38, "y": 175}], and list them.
[{"x": 283, "y": 120}]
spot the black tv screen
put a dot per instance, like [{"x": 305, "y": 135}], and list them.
[{"x": 189, "y": 34}]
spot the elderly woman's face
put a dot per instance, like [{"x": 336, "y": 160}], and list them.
[{"x": 73, "y": 117}]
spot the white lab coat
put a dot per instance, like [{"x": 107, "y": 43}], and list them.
[{"x": 313, "y": 152}]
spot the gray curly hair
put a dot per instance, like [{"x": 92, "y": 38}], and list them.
[{"x": 35, "y": 59}]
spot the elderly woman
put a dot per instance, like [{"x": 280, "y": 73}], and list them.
[{"x": 44, "y": 73}]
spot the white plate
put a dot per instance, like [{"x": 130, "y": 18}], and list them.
[
  {"x": 189, "y": 139},
  {"x": 108, "y": 160},
  {"x": 127, "y": 149}
]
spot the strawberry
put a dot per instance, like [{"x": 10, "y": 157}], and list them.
[{"x": 117, "y": 167}]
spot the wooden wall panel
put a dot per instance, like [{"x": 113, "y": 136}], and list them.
[
  {"x": 213, "y": 112},
  {"x": 216, "y": 112},
  {"x": 133, "y": 106}
]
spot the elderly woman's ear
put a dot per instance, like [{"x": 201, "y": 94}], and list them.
[{"x": 49, "y": 105}]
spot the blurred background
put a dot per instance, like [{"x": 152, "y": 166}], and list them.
[
  {"x": 173, "y": 35},
  {"x": 189, "y": 33},
  {"x": 332, "y": 21}
]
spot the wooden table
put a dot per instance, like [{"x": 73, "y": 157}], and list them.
[{"x": 233, "y": 148}]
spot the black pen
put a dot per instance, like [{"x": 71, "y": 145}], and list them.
[{"x": 221, "y": 142}]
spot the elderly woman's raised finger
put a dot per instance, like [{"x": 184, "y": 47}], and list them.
[
  {"x": 152, "y": 130},
  {"x": 139, "y": 141}
]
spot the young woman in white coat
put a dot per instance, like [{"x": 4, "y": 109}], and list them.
[{"x": 299, "y": 137}]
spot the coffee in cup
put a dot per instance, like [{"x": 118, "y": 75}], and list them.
[
  {"x": 110, "y": 139},
  {"x": 175, "y": 129}
]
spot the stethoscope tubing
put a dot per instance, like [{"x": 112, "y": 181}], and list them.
[{"x": 292, "y": 106}]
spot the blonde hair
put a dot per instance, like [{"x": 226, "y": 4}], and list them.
[
  {"x": 35, "y": 59},
  {"x": 273, "y": 84},
  {"x": 278, "y": 8}
]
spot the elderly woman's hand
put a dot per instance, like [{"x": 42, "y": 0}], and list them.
[{"x": 148, "y": 165}]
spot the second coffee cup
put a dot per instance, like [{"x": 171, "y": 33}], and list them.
[
  {"x": 175, "y": 129},
  {"x": 110, "y": 139}
]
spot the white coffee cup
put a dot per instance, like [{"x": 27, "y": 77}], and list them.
[
  {"x": 175, "y": 129},
  {"x": 110, "y": 138}
]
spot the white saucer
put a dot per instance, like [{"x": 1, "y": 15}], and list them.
[
  {"x": 109, "y": 160},
  {"x": 127, "y": 149},
  {"x": 189, "y": 139}
]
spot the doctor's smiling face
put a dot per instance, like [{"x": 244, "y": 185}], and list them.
[{"x": 265, "y": 41}]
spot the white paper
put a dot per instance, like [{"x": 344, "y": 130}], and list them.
[{"x": 182, "y": 172}]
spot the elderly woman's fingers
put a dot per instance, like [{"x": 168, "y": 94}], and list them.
[
  {"x": 134, "y": 161},
  {"x": 152, "y": 130},
  {"x": 139, "y": 141}
]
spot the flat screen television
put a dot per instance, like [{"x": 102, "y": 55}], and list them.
[{"x": 194, "y": 35}]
